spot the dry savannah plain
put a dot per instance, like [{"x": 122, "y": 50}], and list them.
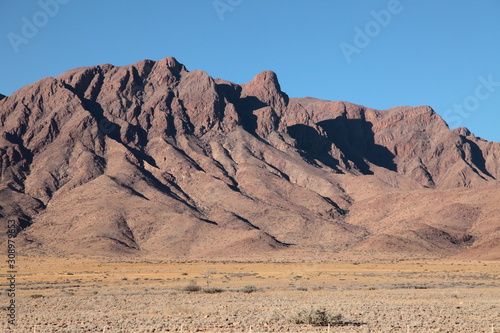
[{"x": 90, "y": 295}]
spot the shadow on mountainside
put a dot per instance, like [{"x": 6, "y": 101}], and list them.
[
  {"x": 313, "y": 145},
  {"x": 245, "y": 108},
  {"x": 354, "y": 137},
  {"x": 478, "y": 160}
]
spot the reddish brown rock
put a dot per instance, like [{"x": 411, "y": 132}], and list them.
[{"x": 152, "y": 159}]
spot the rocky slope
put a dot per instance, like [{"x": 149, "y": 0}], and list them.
[{"x": 153, "y": 159}]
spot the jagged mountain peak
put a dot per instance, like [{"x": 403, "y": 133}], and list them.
[{"x": 267, "y": 80}]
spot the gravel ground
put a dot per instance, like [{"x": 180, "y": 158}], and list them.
[{"x": 381, "y": 310}]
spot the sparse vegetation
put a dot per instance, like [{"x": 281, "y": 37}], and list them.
[
  {"x": 249, "y": 289},
  {"x": 36, "y": 296},
  {"x": 277, "y": 305},
  {"x": 212, "y": 290},
  {"x": 192, "y": 287},
  {"x": 208, "y": 275},
  {"x": 316, "y": 317}
]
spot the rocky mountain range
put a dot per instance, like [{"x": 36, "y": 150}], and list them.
[{"x": 154, "y": 160}]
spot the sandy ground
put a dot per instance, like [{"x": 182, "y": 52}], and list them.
[{"x": 84, "y": 295}]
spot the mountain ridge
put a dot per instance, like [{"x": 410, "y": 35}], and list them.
[{"x": 153, "y": 159}]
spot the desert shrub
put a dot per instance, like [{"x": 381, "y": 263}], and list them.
[
  {"x": 249, "y": 289},
  {"x": 36, "y": 296},
  {"x": 212, "y": 290},
  {"x": 316, "y": 317},
  {"x": 192, "y": 287}
]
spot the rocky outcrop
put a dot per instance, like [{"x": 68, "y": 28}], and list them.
[{"x": 154, "y": 159}]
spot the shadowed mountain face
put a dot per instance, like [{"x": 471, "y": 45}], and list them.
[{"x": 152, "y": 159}]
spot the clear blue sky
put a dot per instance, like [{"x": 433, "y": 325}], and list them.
[{"x": 428, "y": 52}]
